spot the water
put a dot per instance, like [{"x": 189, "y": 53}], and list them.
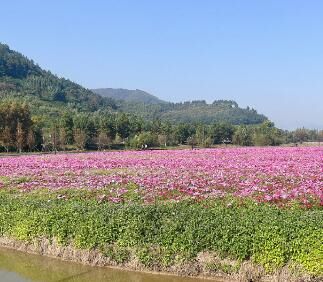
[{"x": 21, "y": 267}]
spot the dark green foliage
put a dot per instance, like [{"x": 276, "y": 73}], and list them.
[
  {"x": 67, "y": 124},
  {"x": 15, "y": 125},
  {"x": 50, "y": 95},
  {"x": 123, "y": 126},
  {"x": 133, "y": 96},
  {"x": 183, "y": 131},
  {"x": 145, "y": 138},
  {"x": 243, "y": 136},
  {"x": 195, "y": 112},
  {"x": 166, "y": 233},
  {"x": 21, "y": 79},
  {"x": 15, "y": 65},
  {"x": 220, "y": 132},
  {"x": 267, "y": 134},
  {"x": 85, "y": 120}
]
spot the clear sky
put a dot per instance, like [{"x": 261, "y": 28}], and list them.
[{"x": 265, "y": 54}]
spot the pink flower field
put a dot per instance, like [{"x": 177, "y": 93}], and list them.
[{"x": 272, "y": 174}]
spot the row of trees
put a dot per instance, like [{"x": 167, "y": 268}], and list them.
[
  {"x": 195, "y": 112},
  {"x": 19, "y": 131},
  {"x": 22, "y": 79},
  {"x": 16, "y": 127}
]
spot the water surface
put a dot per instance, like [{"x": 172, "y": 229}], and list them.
[{"x": 21, "y": 267}]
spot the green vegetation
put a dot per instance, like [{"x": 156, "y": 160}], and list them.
[
  {"x": 195, "y": 112},
  {"x": 48, "y": 96},
  {"x": 21, "y": 79},
  {"x": 21, "y": 131},
  {"x": 41, "y": 112},
  {"x": 125, "y": 95},
  {"x": 149, "y": 107},
  {"x": 169, "y": 233}
]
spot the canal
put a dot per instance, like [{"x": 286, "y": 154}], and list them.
[{"x": 21, "y": 267}]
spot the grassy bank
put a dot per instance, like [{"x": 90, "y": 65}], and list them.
[{"x": 217, "y": 237}]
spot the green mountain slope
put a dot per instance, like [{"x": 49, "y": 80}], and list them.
[
  {"x": 132, "y": 96},
  {"x": 21, "y": 78},
  {"x": 196, "y": 112},
  {"x": 49, "y": 95},
  {"x": 150, "y": 107}
]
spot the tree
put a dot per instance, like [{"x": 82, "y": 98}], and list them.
[
  {"x": 300, "y": 135},
  {"x": 123, "y": 126},
  {"x": 31, "y": 141},
  {"x": 80, "y": 138},
  {"x": 59, "y": 96},
  {"x": 165, "y": 133},
  {"x": 15, "y": 124},
  {"x": 20, "y": 137},
  {"x": 183, "y": 131},
  {"x": 62, "y": 138},
  {"x": 243, "y": 136},
  {"x": 102, "y": 140},
  {"x": 145, "y": 138},
  {"x": 107, "y": 124},
  {"x": 320, "y": 136},
  {"x": 67, "y": 124},
  {"x": 266, "y": 134},
  {"x": 191, "y": 140},
  {"x": 54, "y": 136},
  {"x": 201, "y": 134},
  {"x": 220, "y": 132},
  {"x": 6, "y": 138},
  {"x": 162, "y": 140}
]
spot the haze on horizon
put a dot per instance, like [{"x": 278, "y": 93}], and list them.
[{"x": 266, "y": 55}]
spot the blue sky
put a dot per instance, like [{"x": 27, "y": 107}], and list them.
[{"x": 265, "y": 54}]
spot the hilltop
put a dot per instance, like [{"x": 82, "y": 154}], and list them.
[
  {"x": 151, "y": 107},
  {"x": 49, "y": 95},
  {"x": 196, "y": 112},
  {"x": 46, "y": 93},
  {"x": 133, "y": 96}
]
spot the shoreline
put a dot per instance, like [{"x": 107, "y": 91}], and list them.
[
  {"x": 91, "y": 258},
  {"x": 247, "y": 272},
  {"x": 219, "y": 239}
]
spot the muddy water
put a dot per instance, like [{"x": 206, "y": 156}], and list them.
[{"x": 20, "y": 267}]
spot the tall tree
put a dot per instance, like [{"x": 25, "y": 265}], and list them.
[{"x": 123, "y": 126}]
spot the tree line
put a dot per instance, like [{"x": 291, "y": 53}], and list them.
[
  {"x": 21, "y": 131},
  {"x": 47, "y": 94}
]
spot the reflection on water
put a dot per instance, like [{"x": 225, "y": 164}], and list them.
[
  {"x": 20, "y": 267},
  {"x": 11, "y": 277}
]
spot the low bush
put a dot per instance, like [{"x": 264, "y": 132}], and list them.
[{"x": 170, "y": 232}]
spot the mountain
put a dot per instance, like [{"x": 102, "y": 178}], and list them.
[
  {"x": 132, "y": 96},
  {"x": 151, "y": 107},
  {"x": 23, "y": 80},
  {"x": 196, "y": 112},
  {"x": 49, "y": 96}
]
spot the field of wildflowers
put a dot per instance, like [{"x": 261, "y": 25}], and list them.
[
  {"x": 274, "y": 175},
  {"x": 169, "y": 209}
]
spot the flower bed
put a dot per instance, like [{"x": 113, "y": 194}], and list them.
[
  {"x": 274, "y": 175},
  {"x": 193, "y": 212}
]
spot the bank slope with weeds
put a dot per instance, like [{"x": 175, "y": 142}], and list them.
[{"x": 211, "y": 237}]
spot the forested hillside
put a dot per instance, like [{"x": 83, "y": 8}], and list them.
[
  {"x": 40, "y": 111},
  {"x": 47, "y": 94},
  {"x": 196, "y": 111},
  {"x": 150, "y": 107},
  {"x": 132, "y": 96}
]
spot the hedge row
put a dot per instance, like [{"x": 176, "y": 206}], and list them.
[{"x": 165, "y": 233}]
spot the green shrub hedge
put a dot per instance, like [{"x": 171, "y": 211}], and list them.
[{"x": 168, "y": 233}]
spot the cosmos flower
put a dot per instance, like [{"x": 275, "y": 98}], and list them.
[{"x": 271, "y": 174}]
